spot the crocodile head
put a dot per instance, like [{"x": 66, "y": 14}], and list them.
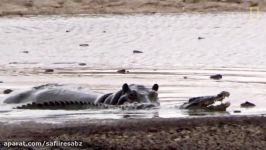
[
  {"x": 208, "y": 102},
  {"x": 222, "y": 95}
]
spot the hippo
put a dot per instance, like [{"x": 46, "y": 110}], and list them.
[
  {"x": 56, "y": 96},
  {"x": 206, "y": 102}
]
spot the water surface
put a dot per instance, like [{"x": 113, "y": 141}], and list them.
[{"x": 232, "y": 44}]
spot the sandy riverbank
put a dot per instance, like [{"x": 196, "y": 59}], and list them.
[
  {"x": 47, "y": 7},
  {"x": 190, "y": 133}
]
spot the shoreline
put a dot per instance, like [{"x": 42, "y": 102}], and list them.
[
  {"x": 158, "y": 133},
  {"x": 120, "y": 14},
  {"x": 120, "y": 7}
]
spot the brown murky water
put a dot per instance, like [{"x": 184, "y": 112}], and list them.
[{"x": 232, "y": 45}]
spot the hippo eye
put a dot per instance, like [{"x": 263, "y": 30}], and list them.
[{"x": 132, "y": 95}]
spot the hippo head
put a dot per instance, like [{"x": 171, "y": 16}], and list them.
[{"x": 139, "y": 94}]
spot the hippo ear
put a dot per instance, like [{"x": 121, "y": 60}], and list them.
[
  {"x": 155, "y": 87},
  {"x": 125, "y": 88}
]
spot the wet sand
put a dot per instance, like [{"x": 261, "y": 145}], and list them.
[
  {"x": 187, "y": 133},
  {"x": 48, "y": 7}
]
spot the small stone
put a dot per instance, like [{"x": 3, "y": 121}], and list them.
[
  {"x": 26, "y": 52},
  {"x": 82, "y": 64},
  {"x": 253, "y": 4},
  {"x": 67, "y": 31},
  {"x": 247, "y": 104},
  {"x": 123, "y": 71},
  {"x": 7, "y": 91},
  {"x": 185, "y": 77},
  {"x": 152, "y": 130},
  {"x": 20, "y": 14},
  {"x": 104, "y": 31},
  {"x": 177, "y": 139},
  {"x": 83, "y": 45},
  {"x": 137, "y": 52},
  {"x": 13, "y": 62},
  {"x": 216, "y": 77},
  {"x": 200, "y": 38},
  {"x": 237, "y": 111},
  {"x": 49, "y": 70}
]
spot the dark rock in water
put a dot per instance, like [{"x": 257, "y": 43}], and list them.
[
  {"x": 185, "y": 77},
  {"x": 200, "y": 38},
  {"x": 67, "y": 31},
  {"x": 82, "y": 64},
  {"x": 7, "y": 91},
  {"x": 13, "y": 62},
  {"x": 253, "y": 4},
  {"x": 247, "y": 104},
  {"x": 123, "y": 71},
  {"x": 104, "y": 31},
  {"x": 48, "y": 70},
  {"x": 216, "y": 77},
  {"x": 20, "y": 14},
  {"x": 83, "y": 45},
  {"x": 26, "y": 52},
  {"x": 1, "y": 82},
  {"x": 237, "y": 111},
  {"x": 137, "y": 52}
]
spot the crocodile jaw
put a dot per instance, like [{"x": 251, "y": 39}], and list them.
[{"x": 221, "y": 107}]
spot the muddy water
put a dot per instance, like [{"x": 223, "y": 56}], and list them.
[{"x": 232, "y": 44}]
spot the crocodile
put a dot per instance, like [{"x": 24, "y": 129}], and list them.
[
  {"x": 59, "y": 96},
  {"x": 207, "y": 102}
]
